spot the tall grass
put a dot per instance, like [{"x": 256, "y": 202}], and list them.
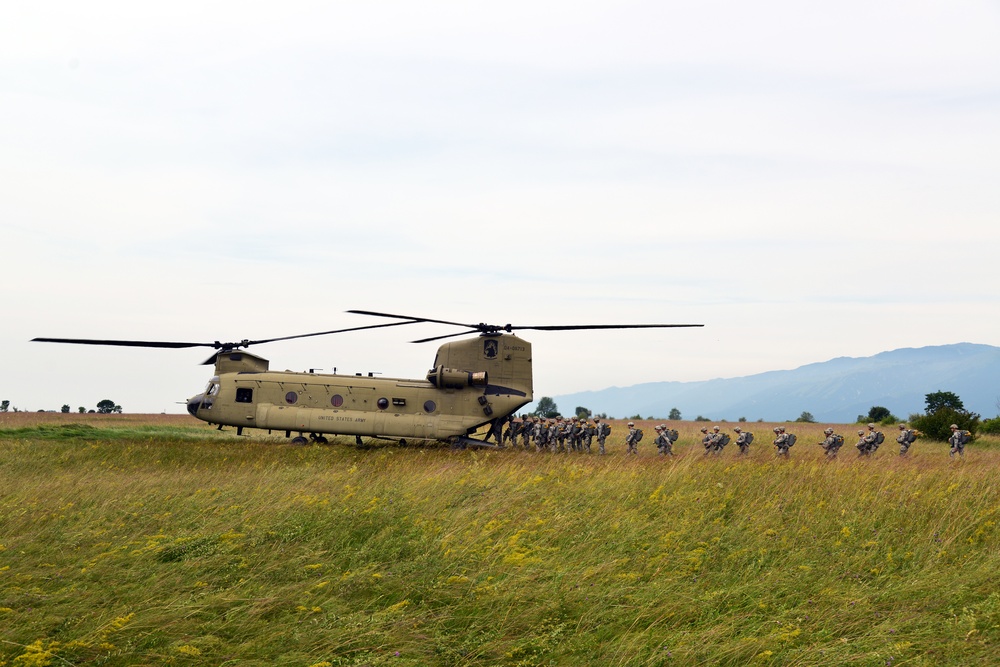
[{"x": 168, "y": 549}]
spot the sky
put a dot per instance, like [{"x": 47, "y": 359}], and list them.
[{"x": 807, "y": 180}]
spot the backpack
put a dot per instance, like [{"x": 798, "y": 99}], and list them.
[
  {"x": 838, "y": 440},
  {"x": 966, "y": 437},
  {"x": 724, "y": 440},
  {"x": 638, "y": 435},
  {"x": 791, "y": 440},
  {"x": 748, "y": 440},
  {"x": 879, "y": 437},
  {"x": 672, "y": 435},
  {"x": 911, "y": 436}
]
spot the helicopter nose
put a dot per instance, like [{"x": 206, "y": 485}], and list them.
[{"x": 193, "y": 404}]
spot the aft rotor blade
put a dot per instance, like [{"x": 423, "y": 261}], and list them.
[
  {"x": 412, "y": 319},
  {"x": 579, "y": 327},
  {"x": 452, "y": 335}
]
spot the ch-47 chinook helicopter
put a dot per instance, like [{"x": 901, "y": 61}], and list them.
[{"x": 473, "y": 382}]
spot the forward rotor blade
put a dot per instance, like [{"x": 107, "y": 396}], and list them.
[
  {"x": 324, "y": 333},
  {"x": 122, "y": 343}
]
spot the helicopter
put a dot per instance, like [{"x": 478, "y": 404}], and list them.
[{"x": 473, "y": 382}]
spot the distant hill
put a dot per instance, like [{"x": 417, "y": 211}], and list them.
[{"x": 835, "y": 391}]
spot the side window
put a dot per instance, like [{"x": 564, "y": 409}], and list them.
[{"x": 244, "y": 395}]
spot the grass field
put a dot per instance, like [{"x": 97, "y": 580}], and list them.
[{"x": 130, "y": 540}]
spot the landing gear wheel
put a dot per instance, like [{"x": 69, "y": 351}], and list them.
[
  {"x": 320, "y": 440},
  {"x": 299, "y": 440}
]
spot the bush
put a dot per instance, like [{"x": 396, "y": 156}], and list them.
[
  {"x": 937, "y": 426},
  {"x": 991, "y": 426}
]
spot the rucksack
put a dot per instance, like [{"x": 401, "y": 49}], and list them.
[
  {"x": 638, "y": 435},
  {"x": 791, "y": 440},
  {"x": 879, "y": 437},
  {"x": 672, "y": 435},
  {"x": 911, "y": 436},
  {"x": 748, "y": 440},
  {"x": 966, "y": 437},
  {"x": 724, "y": 440},
  {"x": 838, "y": 440}
]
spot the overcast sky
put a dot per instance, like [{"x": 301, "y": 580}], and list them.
[{"x": 808, "y": 180}]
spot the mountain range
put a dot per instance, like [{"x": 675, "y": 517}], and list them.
[{"x": 834, "y": 391}]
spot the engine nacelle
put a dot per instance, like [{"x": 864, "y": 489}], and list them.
[{"x": 449, "y": 378}]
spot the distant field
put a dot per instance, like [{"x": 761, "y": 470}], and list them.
[{"x": 128, "y": 539}]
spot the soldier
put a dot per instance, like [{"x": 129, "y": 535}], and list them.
[
  {"x": 541, "y": 434},
  {"x": 577, "y": 434},
  {"x": 527, "y": 431},
  {"x": 832, "y": 444},
  {"x": 783, "y": 441},
  {"x": 862, "y": 444},
  {"x": 663, "y": 442},
  {"x": 511, "y": 432},
  {"x": 558, "y": 439},
  {"x": 554, "y": 431},
  {"x": 905, "y": 439},
  {"x": 706, "y": 440},
  {"x": 632, "y": 439},
  {"x": 743, "y": 440},
  {"x": 958, "y": 440},
  {"x": 603, "y": 431},
  {"x": 872, "y": 440},
  {"x": 588, "y": 432}
]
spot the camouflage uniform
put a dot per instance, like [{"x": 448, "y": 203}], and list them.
[
  {"x": 603, "y": 431},
  {"x": 862, "y": 444},
  {"x": 588, "y": 435},
  {"x": 871, "y": 439},
  {"x": 553, "y": 436},
  {"x": 957, "y": 440},
  {"x": 781, "y": 441},
  {"x": 541, "y": 435},
  {"x": 527, "y": 432},
  {"x": 631, "y": 439},
  {"x": 742, "y": 440},
  {"x": 706, "y": 440},
  {"x": 832, "y": 444},
  {"x": 904, "y": 439},
  {"x": 718, "y": 440},
  {"x": 576, "y": 435},
  {"x": 663, "y": 442}
]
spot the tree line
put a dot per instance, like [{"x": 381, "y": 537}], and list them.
[{"x": 942, "y": 409}]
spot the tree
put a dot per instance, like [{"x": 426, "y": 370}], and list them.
[
  {"x": 937, "y": 425},
  {"x": 4, "y": 406},
  {"x": 107, "y": 406},
  {"x": 546, "y": 408},
  {"x": 675, "y": 414},
  {"x": 65, "y": 409},
  {"x": 806, "y": 417},
  {"x": 876, "y": 414},
  {"x": 582, "y": 412},
  {"x": 81, "y": 410},
  {"x": 943, "y": 399}
]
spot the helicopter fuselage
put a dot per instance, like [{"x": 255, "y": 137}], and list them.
[{"x": 472, "y": 383}]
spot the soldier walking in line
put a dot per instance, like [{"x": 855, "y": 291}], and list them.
[
  {"x": 862, "y": 444},
  {"x": 783, "y": 441},
  {"x": 527, "y": 431},
  {"x": 873, "y": 439},
  {"x": 832, "y": 444},
  {"x": 663, "y": 442},
  {"x": 632, "y": 439},
  {"x": 577, "y": 434},
  {"x": 541, "y": 434},
  {"x": 511, "y": 432},
  {"x": 743, "y": 440},
  {"x": 589, "y": 430},
  {"x": 958, "y": 440},
  {"x": 706, "y": 440},
  {"x": 603, "y": 431},
  {"x": 905, "y": 439},
  {"x": 554, "y": 431}
]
